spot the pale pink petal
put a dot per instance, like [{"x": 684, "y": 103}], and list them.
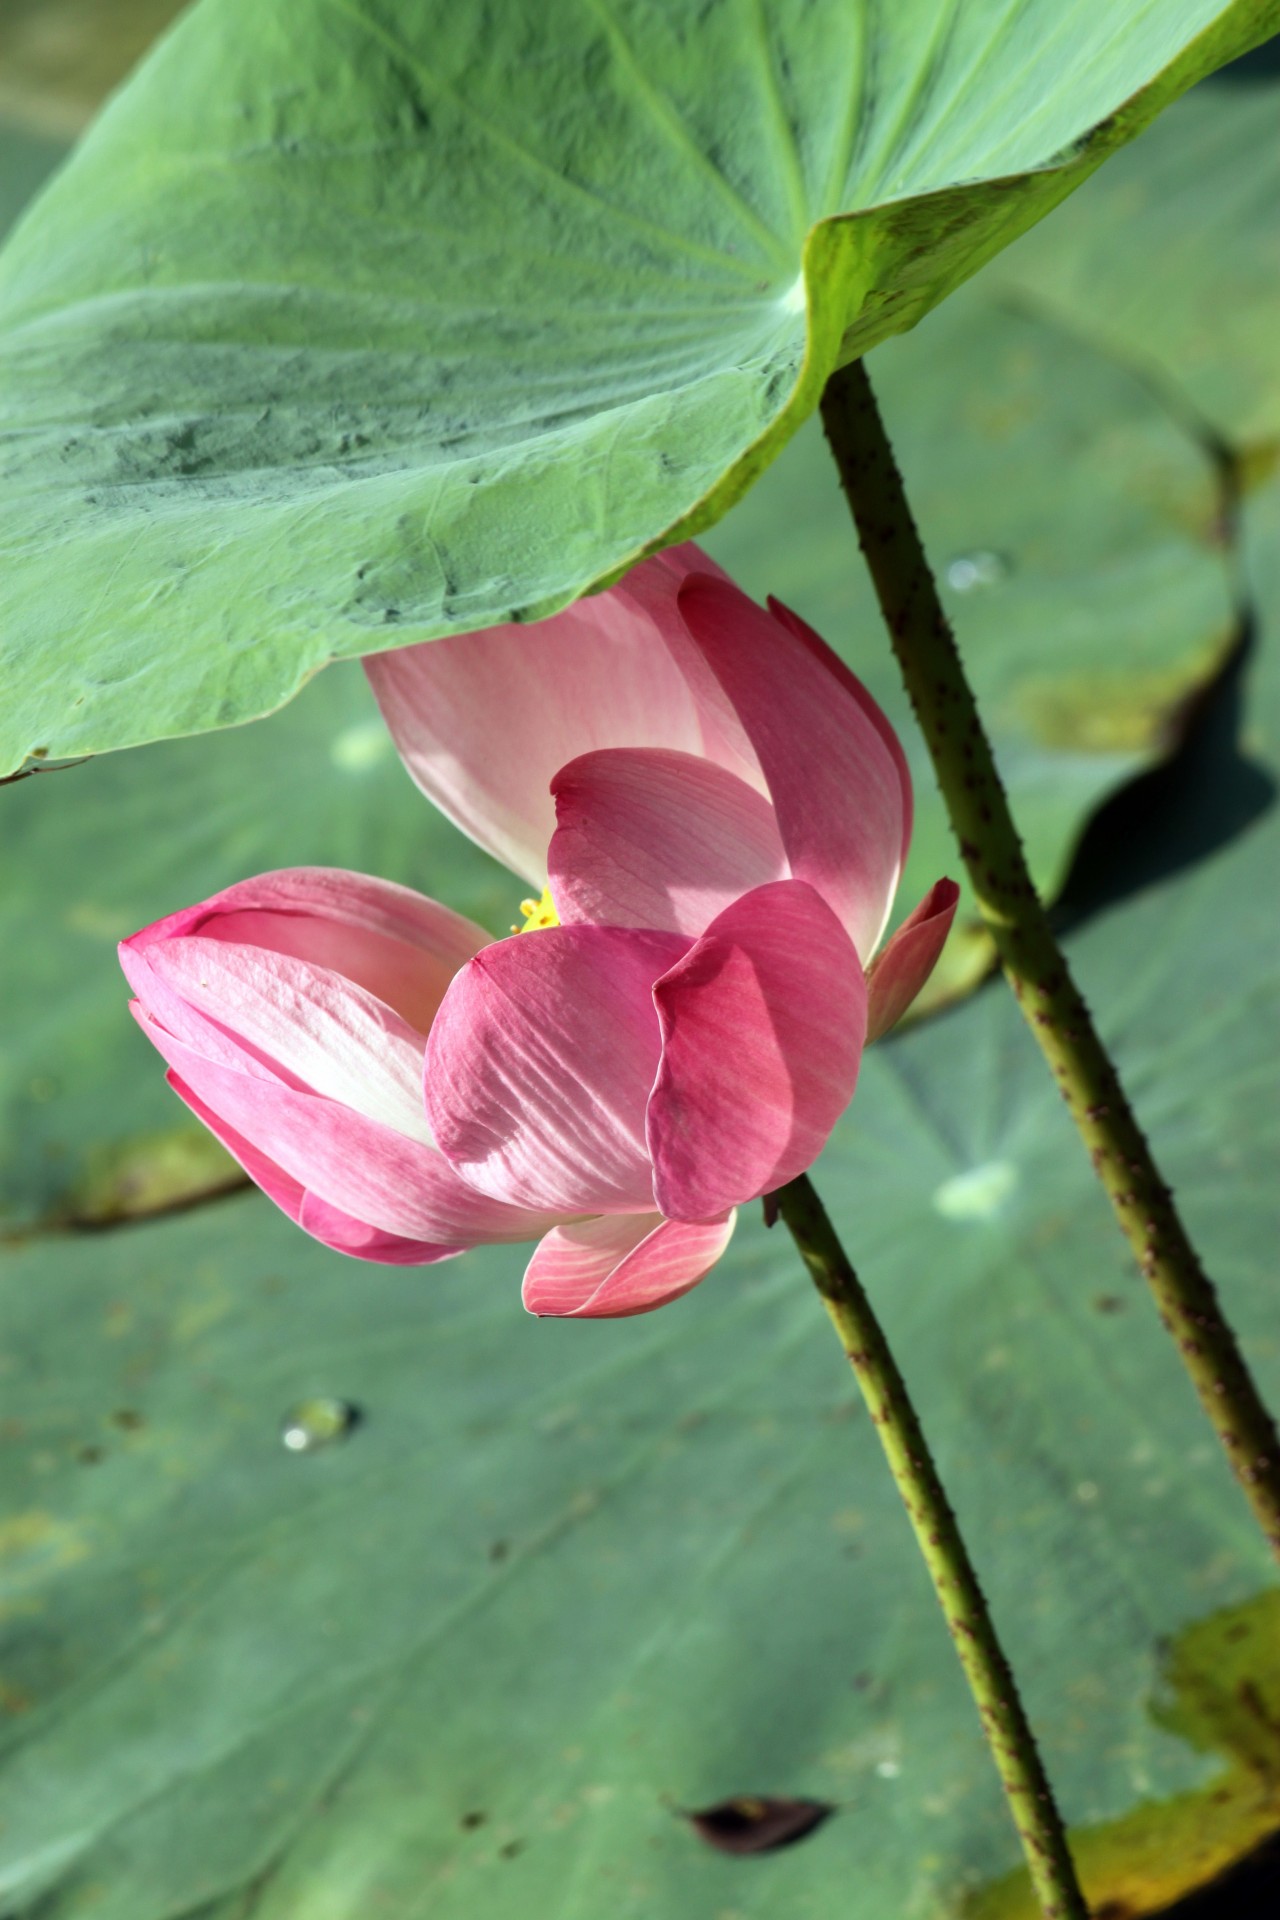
[
  {"x": 621, "y": 1264},
  {"x": 397, "y": 944},
  {"x": 870, "y": 706},
  {"x": 540, "y": 1063},
  {"x": 652, "y": 838},
  {"x": 366, "y": 1170},
  {"x": 327, "y": 1224},
  {"x": 160, "y": 1006},
  {"x": 307, "y": 1026},
  {"x": 762, "y": 1025},
  {"x": 483, "y": 720},
  {"x": 834, "y": 783},
  {"x": 897, "y": 974}
]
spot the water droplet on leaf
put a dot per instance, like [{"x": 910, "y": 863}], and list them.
[
  {"x": 981, "y": 568},
  {"x": 317, "y": 1423}
]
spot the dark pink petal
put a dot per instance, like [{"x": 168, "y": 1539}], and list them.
[
  {"x": 366, "y": 1170},
  {"x": 483, "y": 720},
  {"x": 287, "y": 1193},
  {"x": 870, "y": 706},
  {"x": 898, "y": 972},
  {"x": 620, "y": 1264},
  {"x": 762, "y": 1025},
  {"x": 540, "y": 1063},
  {"x": 359, "y": 1242},
  {"x": 652, "y": 838},
  {"x": 396, "y": 944},
  {"x": 682, "y": 560},
  {"x": 835, "y": 784},
  {"x": 327, "y": 1224}
]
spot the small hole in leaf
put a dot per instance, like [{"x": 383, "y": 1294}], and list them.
[{"x": 757, "y": 1823}]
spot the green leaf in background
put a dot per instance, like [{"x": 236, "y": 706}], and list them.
[
  {"x": 26, "y": 159},
  {"x": 559, "y": 1582},
  {"x": 354, "y": 322},
  {"x": 59, "y": 57},
  {"x": 1195, "y": 304},
  {"x": 91, "y": 853},
  {"x": 1260, "y": 542}
]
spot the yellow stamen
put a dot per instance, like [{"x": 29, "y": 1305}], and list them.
[{"x": 538, "y": 913}]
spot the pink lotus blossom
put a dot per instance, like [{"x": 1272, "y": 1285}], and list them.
[{"x": 720, "y": 813}]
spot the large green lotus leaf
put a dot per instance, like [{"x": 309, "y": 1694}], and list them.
[
  {"x": 1197, "y": 302},
  {"x": 1056, "y": 491},
  {"x": 58, "y": 57},
  {"x": 90, "y": 853},
  {"x": 354, "y": 322},
  {"x": 562, "y": 1582},
  {"x": 1076, "y": 527}
]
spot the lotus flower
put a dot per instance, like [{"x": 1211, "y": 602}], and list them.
[{"x": 715, "y": 814}]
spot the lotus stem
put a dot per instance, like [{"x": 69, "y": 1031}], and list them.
[
  {"x": 1032, "y": 959},
  {"x": 1004, "y": 1721}
]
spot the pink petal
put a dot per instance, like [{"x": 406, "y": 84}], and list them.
[
  {"x": 870, "y": 706},
  {"x": 401, "y": 947},
  {"x": 303, "y": 1024},
  {"x": 340, "y": 1232},
  {"x": 621, "y": 1264},
  {"x": 287, "y": 1193},
  {"x": 652, "y": 838},
  {"x": 835, "y": 784},
  {"x": 762, "y": 1025},
  {"x": 684, "y": 559},
  {"x": 897, "y": 974},
  {"x": 483, "y": 720},
  {"x": 327, "y": 1224},
  {"x": 368, "y": 1171},
  {"x": 540, "y": 1063}
]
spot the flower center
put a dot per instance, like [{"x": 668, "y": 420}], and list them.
[{"x": 538, "y": 913}]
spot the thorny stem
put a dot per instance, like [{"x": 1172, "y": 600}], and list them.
[
  {"x": 1032, "y": 960},
  {"x": 1008, "y": 1733}
]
